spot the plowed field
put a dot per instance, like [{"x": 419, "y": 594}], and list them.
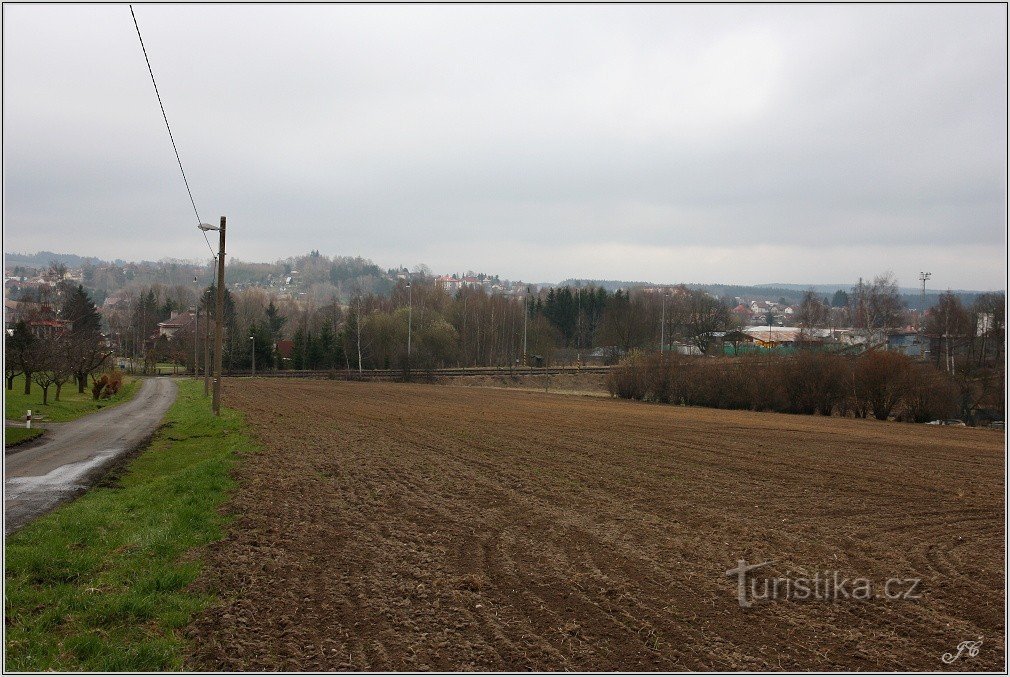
[{"x": 416, "y": 527}]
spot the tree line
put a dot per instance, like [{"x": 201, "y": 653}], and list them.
[
  {"x": 475, "y": 326},
  {"x": 51, "y": 350}
]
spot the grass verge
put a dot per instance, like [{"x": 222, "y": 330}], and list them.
[
  {"x": 100, "y": 584},
  {"x": 72, "y": 404},
  {"x": 15, "y": 436}
]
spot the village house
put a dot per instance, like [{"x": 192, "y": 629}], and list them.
[{"x": 177, "y": 321}]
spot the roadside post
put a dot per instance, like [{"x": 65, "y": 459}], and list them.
[{"x": 28, "y": 419}]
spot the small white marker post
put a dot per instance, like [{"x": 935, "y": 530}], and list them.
[{"x": 28, "y": 419}]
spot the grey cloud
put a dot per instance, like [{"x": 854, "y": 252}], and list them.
[{"x": 519, "y": 138}]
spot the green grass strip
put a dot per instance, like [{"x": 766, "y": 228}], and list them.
[
  {"x": 72, "y": 404},
  {"x": 100, "y": 584},
  {"x": 14, "y": 436}
]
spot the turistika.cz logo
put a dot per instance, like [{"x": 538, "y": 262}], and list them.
[{"x": 822, "y": 586}]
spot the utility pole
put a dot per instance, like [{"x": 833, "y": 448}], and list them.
[
  {"x": 410, "y": 310},
  {"x": 196, "y": 339},
  {"x": 196, "y": 344},
  {"x": 219, "y": 325},
  {"x": 219, "y": 313},
  {"x": 206, "y": 354},
  {"x": 662, "y": 326},
  {"x": 526, "y": 315},
  {"x": 923, "y": 276}
]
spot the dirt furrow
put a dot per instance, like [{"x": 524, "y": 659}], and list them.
[{"x": 419, "y": 527}]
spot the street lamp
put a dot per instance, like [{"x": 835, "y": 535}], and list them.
[
  {"x": 253, "y": 340},
  {"x": 218, "y": 313}
]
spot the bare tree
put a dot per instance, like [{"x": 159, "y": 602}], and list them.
[
  {"x": 703, "y": 315},
  {"x": 34, "y": 358},
  {"x": 951, "y": 324},
  {"x": 877, "y": 306},
  {"x": 990, "y": 319},
  {"x": 57, "y": 270},
  {"x": 62, "y": 364},
  {"x": 87, "y": 354},
  {"x": 812, "y": 311},
  {"x": 45, "y": 352}
]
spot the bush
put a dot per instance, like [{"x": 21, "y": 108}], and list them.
[
  {"x": 879, "y": 381},
  {"x": 929, "y": 394},
  {"x": 627, "y": 380},
  {"x": 114, "y": 383},
  {"x": 107, "y": 385},
  {"x": 813, "y": 382}
]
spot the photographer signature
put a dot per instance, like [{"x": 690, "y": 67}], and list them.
[{"x": 967, "y": 646}]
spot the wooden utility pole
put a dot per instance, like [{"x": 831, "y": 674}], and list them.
[
  {"x": 196, "y": 344},
  {"x": 206, "y": 354},
  {"x": 526, "y": 315},
  {"x": 218, "y": 321},
  {"x": 410, "y": 310}
]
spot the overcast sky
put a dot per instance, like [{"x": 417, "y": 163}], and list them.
[{"x": 737, "y": 144}]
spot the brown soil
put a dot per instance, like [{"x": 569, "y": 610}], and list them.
[{"x": 418, "y": 527}]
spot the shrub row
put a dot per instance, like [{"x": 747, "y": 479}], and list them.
[{"x": 879, "y": 384}]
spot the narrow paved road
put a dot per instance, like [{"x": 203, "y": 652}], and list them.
[{"x": 77, "y": 453}]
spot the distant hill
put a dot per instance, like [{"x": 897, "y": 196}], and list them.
[
  {"x": 44, "y": 258},
  {"x": 790, "y": 292},
  {"x": 832, "y": 288},
  {"x": 344, "y": 271},
  {"x": 609, "y": 285}
]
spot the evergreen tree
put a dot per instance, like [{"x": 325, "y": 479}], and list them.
[
  {"x": 326, "y": 342},
  {"x": 85, "y": 347},
  {"x": 298, "y": 350},
  {"x": 263, "y": 345},
  {"x": 275, "y": 321},
  {"x": 81, "y": 312},
  {"x": 313, "y": 352}
]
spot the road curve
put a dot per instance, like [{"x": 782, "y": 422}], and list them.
[{"x": 77, "y": 453}]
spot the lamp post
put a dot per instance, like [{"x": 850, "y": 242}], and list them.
[
  {"x": 252, "y": 340},
  {"x": 218, "y": 314}
]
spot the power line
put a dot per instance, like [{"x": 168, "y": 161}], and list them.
[{"x": 169, "y": 128}]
